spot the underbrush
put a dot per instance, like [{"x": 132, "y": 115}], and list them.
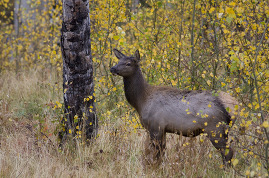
[{"x": 30, "y": 110}]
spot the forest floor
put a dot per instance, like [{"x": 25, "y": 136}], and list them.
[{"x": 29, "y": 144}]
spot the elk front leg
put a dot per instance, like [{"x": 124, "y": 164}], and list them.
[{"x": 154, "y": 147}]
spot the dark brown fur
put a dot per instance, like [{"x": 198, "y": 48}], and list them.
[{"x": 166, "y": 109}]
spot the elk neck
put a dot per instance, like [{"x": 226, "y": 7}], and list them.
[{"x": 136, "y": 89}]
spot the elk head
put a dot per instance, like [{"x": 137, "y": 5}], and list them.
[{"x": 127, "y": 65}]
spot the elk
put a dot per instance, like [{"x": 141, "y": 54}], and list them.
[{"x": 170, "y": 110}]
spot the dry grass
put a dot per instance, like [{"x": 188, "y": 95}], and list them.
[{"x": 30, "y": 149}]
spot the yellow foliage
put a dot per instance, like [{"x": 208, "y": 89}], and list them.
[
  {"x": 225, "y": 55},
  {"x": 235, "y": 162},
  {"x": 265, "y": 124}
]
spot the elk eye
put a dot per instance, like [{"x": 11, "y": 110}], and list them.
[{"x": 128, "y": 64}]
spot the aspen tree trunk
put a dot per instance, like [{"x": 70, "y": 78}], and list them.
[
  {"x": 17, "y": 6},
  {"x": 134, "y": 5},
  {"x": 24, "y": 11},
  {"x": 80, "y": 120}
]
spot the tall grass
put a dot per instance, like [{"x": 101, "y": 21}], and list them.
[{"x": 29, "y": 147}]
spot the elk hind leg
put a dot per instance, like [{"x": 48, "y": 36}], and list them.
[{"x": 219, "y": 139}]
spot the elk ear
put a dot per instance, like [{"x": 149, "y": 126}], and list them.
[
  {"x": 137, "y": 56},
  {"x": 118, "y": 54}
]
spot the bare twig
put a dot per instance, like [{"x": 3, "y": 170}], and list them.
[{"x": 192, "y": 46}]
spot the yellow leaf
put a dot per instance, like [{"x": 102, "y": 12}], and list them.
[
  {"x": 267, "y": 13},
  {"x": 19, "y": 47},
  {"x": 230, "y": 11},
  {"x": 235, "y": 162},
  {"x": 210, "y": 155},
  {"x": 239, "y": 10},
  {"x": 116, "y": 37},
  {"x": 238, "y": 89},
  {"x": 236, "y": 107},
  {"x": 58, "y": 104},
  {"x": 211, "y": 9},
  {"x": 265, "y": 124},
  {"x": 232, "y": 3},
  {"x": 173, "y": 83}
]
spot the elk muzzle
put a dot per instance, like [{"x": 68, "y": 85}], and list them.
[{"x": 113, "y": 70}]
